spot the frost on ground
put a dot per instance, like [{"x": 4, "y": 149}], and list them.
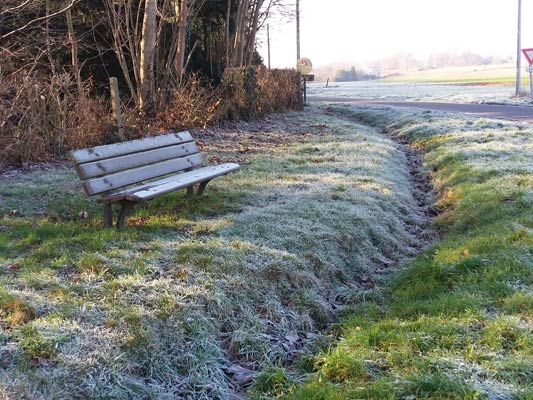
[
  {"x": 393, "y": 91},
  {"x": 458, "y": 321},
  {"x": 195, "y": 298}
]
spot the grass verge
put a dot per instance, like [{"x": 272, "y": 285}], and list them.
[
  {"x": 457, "y": 322},
  {"x": 206, "y": 298}
]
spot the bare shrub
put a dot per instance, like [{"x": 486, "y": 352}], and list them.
[
  {"x": 240, "y": 92},
  {"x": 253, "y": 92},
  {"x": 42, "y": 118},
  {"x": 192, "y": 104},
  {"x": 279, "y": 90}
]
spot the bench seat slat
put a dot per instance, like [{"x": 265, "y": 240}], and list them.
[
  {"x": 132, "y": 146},
  {"x": 121, "y": 195},
  {"x": 116, "y": 164},
  {"x": 128, "y": 177},
  {"x": 180, "y": 181}
]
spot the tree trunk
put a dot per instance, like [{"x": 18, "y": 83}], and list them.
[
  {"x": 253, "y": 32},
  {"x": 47, "y": 38},
  {"x": 182, "y": 35},
  {"x": 240, "y": 34},
  {"x": 228, "y": 38},
  {"x": 149, "y": 33},
  {"x": 74, "y": 52},
  {"x": 244, "y": 26}
]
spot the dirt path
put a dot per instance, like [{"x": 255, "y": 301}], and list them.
[{"x": 515, "y": 113}]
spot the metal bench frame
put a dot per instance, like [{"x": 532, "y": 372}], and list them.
[{"x": 131, "y": 172}]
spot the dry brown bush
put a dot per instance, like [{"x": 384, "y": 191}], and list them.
[
  {"x": 40, "y": 118},
  {"x": 279, "y": 90},
  {"x": 253, "y": 92},
  {"x": 240, "y": 92},
  {"x": 191, "y": 105}
]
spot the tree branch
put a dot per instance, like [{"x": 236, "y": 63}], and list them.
[
  {"x": 16, "y": 8},
  {"x": 43, "y": 18}
]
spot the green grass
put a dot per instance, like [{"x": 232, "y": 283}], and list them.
[
  {"x": 248, "y": 277},
  {"x": 456, "y": 323},
  {"x": 457, "y": 79},
  {"x": 245, "y": 277},
  {"x": 504, "y": 74}
]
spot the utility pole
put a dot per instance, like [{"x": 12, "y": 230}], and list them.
[
  {"x": 297, "y": 31},
  {"x": 268, "y": 44},
  {"x": 519, "y": 48}
]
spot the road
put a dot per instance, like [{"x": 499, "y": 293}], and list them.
[{"x": 515, "y": 113}]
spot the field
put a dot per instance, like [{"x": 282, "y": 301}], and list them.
[
  {"x": 478, "y": 84},
  {"x": 504, "y": 74},
  {"x": 416, "y": 91}
]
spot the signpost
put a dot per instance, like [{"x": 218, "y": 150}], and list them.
[
  {"x": 305, "y": 66},
  {"x": 518, "y": 47},
  {"x": 528, "y": 53}
]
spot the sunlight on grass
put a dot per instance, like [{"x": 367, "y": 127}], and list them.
[
  {"x": 456, "y": 323},
  {"x": 199, "y": 298}
]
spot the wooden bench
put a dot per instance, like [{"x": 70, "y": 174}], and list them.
[{"x": 127, "y": 173}]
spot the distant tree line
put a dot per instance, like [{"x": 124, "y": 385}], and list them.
[
  {"x": 407, "y": 62},
  {"x": 343, "y": 72},
  {"x": 352, "y": 74},
  {"x": 440, "y": 60}
]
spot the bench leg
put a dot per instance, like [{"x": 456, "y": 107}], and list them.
[
  {"x": 125, "y": 209},
  {"x": 201, "y": 188},
  {"x": 190, "y": 189},
  {"x": 108, "y": 215}
]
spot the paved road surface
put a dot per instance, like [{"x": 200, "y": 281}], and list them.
[{"x": 515, "y": 113}]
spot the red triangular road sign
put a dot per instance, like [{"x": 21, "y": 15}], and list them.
[{"x": 528, "y": 53}]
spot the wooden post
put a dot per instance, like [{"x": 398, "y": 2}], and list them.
[
  {"x": 305, "y": 90},
  {"x": 327, "y": 83},
  {"x": 115, "y": 101},
  {"x": 530, "y": 82},
  {"x": 519, "y": 48}
]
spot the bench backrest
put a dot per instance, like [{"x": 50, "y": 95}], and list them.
[{"x": 109, "y": 167}]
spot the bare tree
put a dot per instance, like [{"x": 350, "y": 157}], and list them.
[
  {"x": 250, "y": 16},
  {"x": 252, "y": 30},
  {"x": 147, "y": 51},
  {"x": 147, "y": 63},
  {"x": 124, "y": 23},
  {"x": 74, "y": 51},
  {"x": 182, "y": 12},
  {"x": 228, "y": 36}
]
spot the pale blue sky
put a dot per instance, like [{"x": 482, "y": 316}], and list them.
[{"x": 363, "y": 30}]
